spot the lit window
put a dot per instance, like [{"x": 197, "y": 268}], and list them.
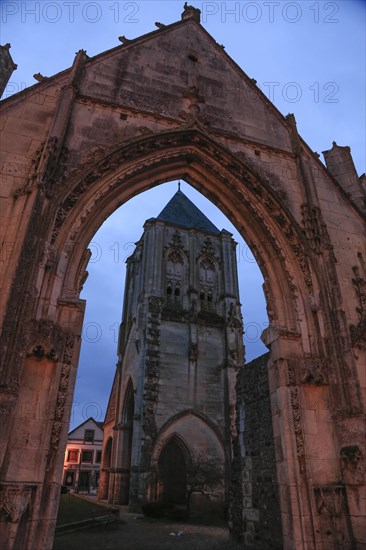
[{"x": 73, "y": 455}]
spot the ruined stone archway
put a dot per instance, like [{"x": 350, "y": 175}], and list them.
[
  {"x": 287, "y": 222},
  {"x": 207, "y": 165}
]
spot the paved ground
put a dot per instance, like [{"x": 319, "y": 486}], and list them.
[{"x": 137, "y": 533}]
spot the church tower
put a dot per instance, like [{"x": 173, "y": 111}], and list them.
[{"x": 180, "y": 347}]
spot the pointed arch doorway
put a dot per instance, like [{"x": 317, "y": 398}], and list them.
[{"x": 173, "y": 473}]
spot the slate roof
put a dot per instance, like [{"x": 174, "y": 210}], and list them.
[{"x": 182, "y": 212}]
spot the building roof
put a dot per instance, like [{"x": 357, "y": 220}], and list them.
[
  {"x": 182, "y": 212},
  {"x": 98, "y": 424}
]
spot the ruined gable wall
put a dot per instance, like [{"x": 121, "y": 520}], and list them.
[{"x": 25, "y": 124}]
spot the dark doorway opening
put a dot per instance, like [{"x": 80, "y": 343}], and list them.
[
  {"x": 84, "y": 481},
  {"x": 173, "y": 474}
]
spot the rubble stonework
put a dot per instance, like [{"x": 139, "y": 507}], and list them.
[
  {"x": 258, "y": 500},
  {"x": 74, "y": 147}
]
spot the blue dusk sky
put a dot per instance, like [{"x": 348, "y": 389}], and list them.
[{"x": 308, "y": 57}]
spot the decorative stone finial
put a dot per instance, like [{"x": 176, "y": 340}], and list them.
[
  {"x": 124, "y": 40},
  {"x": 39, "y": 77},
  {"x": 291, "y": 119},
  {"x": 159, "y": 25},
  {"x": 190, "y": 12}
]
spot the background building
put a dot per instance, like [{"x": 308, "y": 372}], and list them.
[
  {"x": 83, "y": 457},
  {"x": 180, "y": 346}
]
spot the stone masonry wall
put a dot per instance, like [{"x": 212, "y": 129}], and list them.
[{"x": 261, "y": 509}]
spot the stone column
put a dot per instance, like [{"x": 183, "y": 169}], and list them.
[{"x": 36, "y": 448}]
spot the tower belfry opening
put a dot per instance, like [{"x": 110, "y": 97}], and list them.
[{"x": 180, "y": 348}]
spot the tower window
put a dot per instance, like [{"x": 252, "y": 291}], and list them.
[
  {"x": 202, "y": 296},
  {"x": 177, "y": 291},
  {"x": 169, "y": 291}
]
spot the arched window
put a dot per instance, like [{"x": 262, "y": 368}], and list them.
[
  {"x": 129, "y": 404},
  {"x": 174, "y": 276},
  {"x": 207, "y": 274}
]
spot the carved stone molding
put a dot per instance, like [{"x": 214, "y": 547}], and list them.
[
  {"x": 234, "y": 317},
  {"x": 152, "y": 376},
  {"x": 46, "y": 340},
  {"x": 14, "y": 500},
  {"x": 352, "y": 465},
  {"x": 315, "y": 229},
  {"x": 314, "y": 372},
  {"x": 193, "y": 100},
  {"x": 358, "y": 332},
  {"x": 351, "y": 454},
  {"x": 177, "y": 240},
  {"x": 274, "y": 332},
  {"x": 175, "y": 256},
  {"x": 30, "y": 183},
  {"x": 49, "y": 258},
  {"x": 208, "y": 248},
  {"x": 162, "y": 146},
  {"x": 62, "y": 394},
  {"x": 329, "y": 499},
  {"x": 272, "y": 179},
  {"x": 48, "y": 169},
  {"x": 333, "y": 515},
  {"x": 83, "y": 273},
  {"x": 314, "y": 301},
  {"x": 292, "y": 367}
]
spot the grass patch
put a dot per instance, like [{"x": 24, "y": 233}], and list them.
[{"x": 73, "y": 509}]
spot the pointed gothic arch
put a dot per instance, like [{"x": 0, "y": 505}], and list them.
[
  {"x": 173, "y": 460},
  {"x": 128, "y": 404},
  {"x": 291, "y": 277}
]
